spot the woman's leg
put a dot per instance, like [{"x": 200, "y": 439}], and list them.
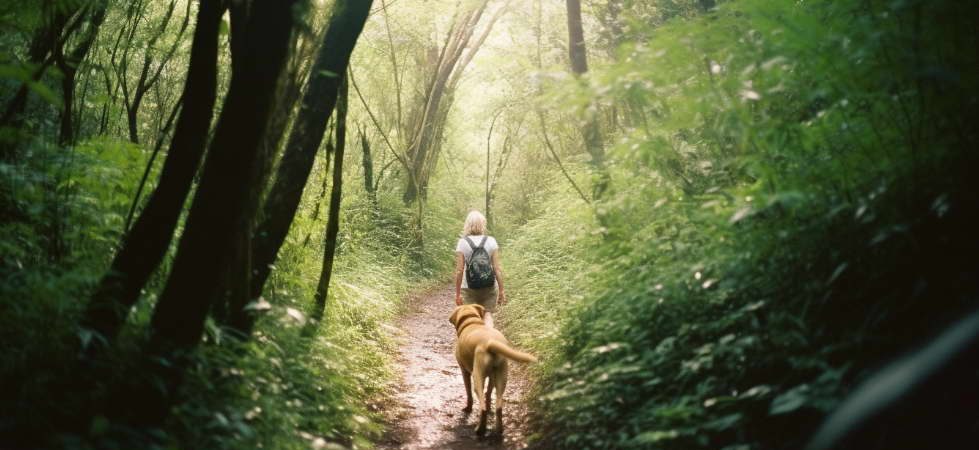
[{"x": 490, "y": 305}]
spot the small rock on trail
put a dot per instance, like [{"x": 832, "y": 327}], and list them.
[{"x": 424, "y": 411}]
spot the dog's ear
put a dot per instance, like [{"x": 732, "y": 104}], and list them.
[
  {"x": 480, "y": 310},
  {"x": 455, "y": 315}
]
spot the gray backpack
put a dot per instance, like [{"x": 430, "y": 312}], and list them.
[{"x": 479, "y": 268}]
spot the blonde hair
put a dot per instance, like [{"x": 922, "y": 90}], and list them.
[{"x": 475, "y": 224}]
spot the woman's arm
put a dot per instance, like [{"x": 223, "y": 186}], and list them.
[
  {"x": 498, "y": 270},
  {"x": 460, "y": 263}
]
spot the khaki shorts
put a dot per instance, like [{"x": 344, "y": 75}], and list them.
[{"x": 483, "y": 296}]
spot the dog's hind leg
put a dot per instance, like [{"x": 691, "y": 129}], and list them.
[
  {"x": 489, "y": 392},
  {"x": 480, "y": 365},
  {"x": 500, "y": 380},
  {"x": 467, "y": 380}
]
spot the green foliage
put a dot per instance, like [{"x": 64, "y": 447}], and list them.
[
  {"x": 63, "y": 211},
  {"x": 67, "y": 205},
  {"x": 289, "y": 388},
  {"x": 542, "y": 264},
  {"x": 295, "y": 384},
  {"x": 790, "y": 206},
  {"x": 790, "y": 201}
]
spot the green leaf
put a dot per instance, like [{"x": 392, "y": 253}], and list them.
[
  {"x": 723, "y": 423},
  {"x": 790, "y": 401},
  {"x": 45, "y": 93},
  {"x": 652, "y": 437}
]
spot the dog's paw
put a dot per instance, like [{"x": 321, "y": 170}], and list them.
[{"x": 468, "y": 409}]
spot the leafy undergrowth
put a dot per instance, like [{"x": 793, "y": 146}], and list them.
[
  {"x": 795, "y": 211},
  {"x": 294, "y": 385},
  {"x": 290, "y": 390}
]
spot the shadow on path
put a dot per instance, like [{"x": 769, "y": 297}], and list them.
[{"x": 424, "y": 411}]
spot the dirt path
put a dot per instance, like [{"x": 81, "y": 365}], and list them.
[{"x": 425, "y": 412}]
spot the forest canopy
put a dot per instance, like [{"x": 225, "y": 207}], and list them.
[{"x": 724, "y": 224}]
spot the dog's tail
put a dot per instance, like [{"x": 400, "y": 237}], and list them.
[{"x": 500, "y": 348}]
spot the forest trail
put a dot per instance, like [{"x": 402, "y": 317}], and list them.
[{"x": 424, "y": 411}]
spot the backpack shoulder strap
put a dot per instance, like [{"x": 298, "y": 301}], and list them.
[
  {"x": 470, "y": 241},
  {"x": 483, "y": 242}
]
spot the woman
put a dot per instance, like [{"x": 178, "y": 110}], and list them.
[{"x": 474, "y": 236}]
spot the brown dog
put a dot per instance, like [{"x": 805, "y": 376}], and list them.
[{"x": 482, "y": 353}]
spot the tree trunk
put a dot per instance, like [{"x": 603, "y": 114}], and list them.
[
  {"x": 283, "y": 112},
  {"x": 66, "y": 129},
  {"x": 149, "y": 164},
  {"x": 58, "y": 25},
  {"x": 396, "y": 157},
  {"x": 489, "y": 136},
  {"x": 448, "y": 68},
  {"x": 147, "y": 242},
  {"x": 501, "y": 164},
  {"x": 333, "y": 218},
  {"x": 307, "y": 132},
  {"x": 220, "y": 217},
  {"x": 239, "y": 13},
  {"x": 80, "y": 110},
  {"x": 576, "y": 38},
  {"x": 132, "y": 116},
  {"x": 426, "y": 129},
  {"x": 368, "y": 164},
  {"x": 148, "y": 76},
  {"x": 69, "y": 67},
  {"x": 398, "y": 80},
  {"x": 224, "y": 205},
  {"x": 328, "y": 153},
  {"x": 579, "y": 66}
]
